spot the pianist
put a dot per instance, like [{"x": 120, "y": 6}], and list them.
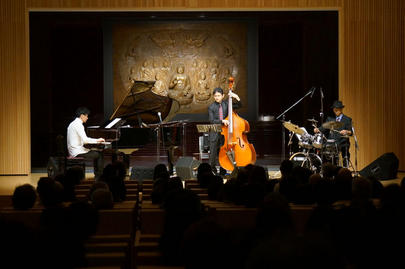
[{"x": 76, "y": 138}]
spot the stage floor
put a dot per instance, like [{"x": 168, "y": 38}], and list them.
[{"x": 8, "y": 183}]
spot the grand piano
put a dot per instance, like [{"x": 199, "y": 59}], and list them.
[{"x": 142, "y": 117}]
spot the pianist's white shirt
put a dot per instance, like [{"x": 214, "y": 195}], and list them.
[{"x": 76, "y": 138}]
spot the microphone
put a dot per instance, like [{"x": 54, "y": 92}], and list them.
[
  {"x": 314, "y": 89},
  {"x": 160, "y": 116},
  {"x": 321, "y": 93}
]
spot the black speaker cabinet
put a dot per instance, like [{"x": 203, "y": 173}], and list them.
[
  {"x": 186, "y": 167},
  {"x": 140, "y": 173},
  {"x": 384, "y": 167}
]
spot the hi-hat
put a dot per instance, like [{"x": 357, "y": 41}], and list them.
[
  {"x": 332, "y": 125},
  {"x": 293, "y": 128}
]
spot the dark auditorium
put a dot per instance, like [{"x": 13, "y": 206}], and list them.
[{"x": 195, "y": 134}]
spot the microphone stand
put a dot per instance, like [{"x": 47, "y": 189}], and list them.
[
  {"x": 356, "y": 148},
  {"x": 321, "y": 112},
  {"x": 283, "y": 115}
]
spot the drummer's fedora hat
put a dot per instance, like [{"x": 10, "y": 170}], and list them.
[{"x": 337, "y": 104}]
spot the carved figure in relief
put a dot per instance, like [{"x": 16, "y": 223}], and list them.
[
  {"x": 180, "y": 88},
  {"x": 165, "y": 67},
  {"x": 160, "y": 86},
  {"x": 204, "y": 65},
  {"x": 194, "y": 70},
  {"x": 203, "y": 90},
  {"x": 146, "y": 71},
  {"x": 214, "y": 77}
]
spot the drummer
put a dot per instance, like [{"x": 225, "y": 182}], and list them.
[{"x": 339, "y": 132}]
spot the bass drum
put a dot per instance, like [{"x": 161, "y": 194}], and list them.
[{"x": 308, "y": 160}]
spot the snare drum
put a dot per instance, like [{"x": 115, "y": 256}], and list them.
[
  {"x": 331, "y": 151},
  {"x": 305, "y": 141},
  {"x": 317, "y": 141}
]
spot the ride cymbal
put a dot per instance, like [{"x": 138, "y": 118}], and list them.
[
  {"x": 332, "y": 125},
  {"x": 293, "y": 128}
]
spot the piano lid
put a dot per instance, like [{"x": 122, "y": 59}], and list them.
[{"x": 141, "y": 103}]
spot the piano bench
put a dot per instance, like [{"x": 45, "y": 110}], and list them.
[
  {"x": 59, "y": 164},
  {"x": 75, "y": 161}
]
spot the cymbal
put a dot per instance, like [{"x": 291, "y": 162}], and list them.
[
  {"x": 312, "y": 120},
  {"x": 293, "y": 128},
  {"x": 332, "y": 125}
]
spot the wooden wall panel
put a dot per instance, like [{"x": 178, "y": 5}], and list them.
[
  {"x": 14, "y": 89},
  {"x": 372, "y": 64},
  {"x": 372, "y": 85},
  {"x": 180, "y": 4}
]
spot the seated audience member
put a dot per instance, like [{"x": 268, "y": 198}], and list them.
[
  {"x": 174, "y": 183},
  {"x": 286, "y": 168},
  {"x": 97, "y": 185},
  {"x": 182, "y": 208},
  {"x": 215, "y": 188},
  {"x": 63, "y": 233},
  {"x": 160, "y": 171},
  {"x": 324, "y": 192},
  {"x": 114, "y": 175},
  {"x": 230, "y": 191},
  {"x": 73, "y": 176},
  {"x": 376, "y": 187},
  {"x": 159, "y": 191},
  {"x": 343, "y": 184},
  {"x": 274, "y": 215},
  {"x": 102, "y": 199},
  {"x": 329, "y": 170},
  {"x": 19, "y": 245},
  {"x": 204, "y": 172},
  {"x": 24, "y": 197},
  {"x": 357, "y": 222},
  {"x": 207, "y": 245},
  {"x": 50, "y": 192}
]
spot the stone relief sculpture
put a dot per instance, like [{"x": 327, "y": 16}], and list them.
[
  {"x": 146, "y": 71},
  {"x": 180, "y": 87},
  {"x": 203, "y": 92},
  {"x": 186, "y": 60},
  {"x": 160, "y": 86},
  {"x": 165, "y": 69},
  {"x": 215, "y": 75}
]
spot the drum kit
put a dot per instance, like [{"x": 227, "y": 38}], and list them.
[{"x": 314, "y": 149}]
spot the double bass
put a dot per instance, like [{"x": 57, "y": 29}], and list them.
[{"x": 236, "y": 150}]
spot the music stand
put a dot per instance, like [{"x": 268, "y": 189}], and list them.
[{"x": 206, "y": 128}]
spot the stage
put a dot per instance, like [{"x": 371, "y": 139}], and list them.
[{"x": 8, "y": 183}]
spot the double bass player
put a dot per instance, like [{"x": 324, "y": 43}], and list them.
[{"x": 217, "y": 112}]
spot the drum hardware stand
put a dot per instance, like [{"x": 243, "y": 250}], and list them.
[
  {"x": 321, "y": 112},
  {"x": 283, "y": 140},
  {"x": 356, "y": 148},
  {"x": 311, "y": 91},
  {"x": 291, "y": 135}
]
